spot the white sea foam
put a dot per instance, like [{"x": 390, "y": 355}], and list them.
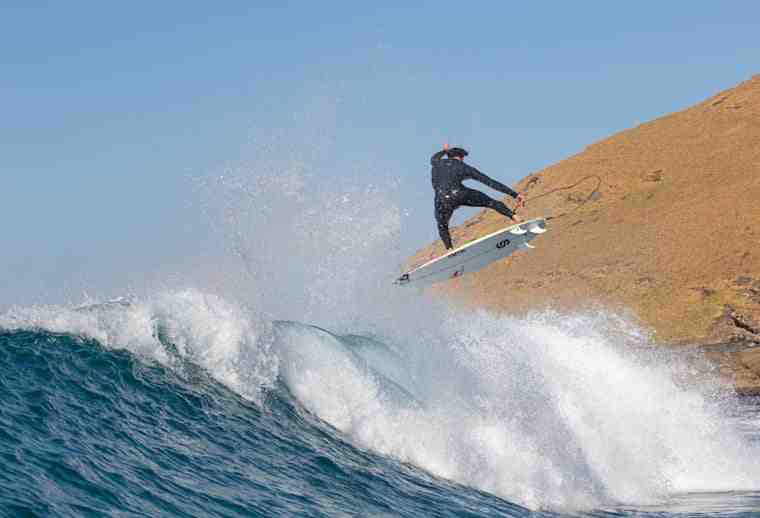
[
  {"x": 547, "y": 410},
  {"x": 170, "y": 328}
]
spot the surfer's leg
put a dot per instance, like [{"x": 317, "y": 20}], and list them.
[
  {"x": 443, "y": 231},
  {"x": 443, "y": 214},
  {"x": 473, "y": 198}
]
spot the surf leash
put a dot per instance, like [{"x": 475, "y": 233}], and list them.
[{"x": 593, "y": 192}]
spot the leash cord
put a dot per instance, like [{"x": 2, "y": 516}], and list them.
[{"x": 567, "y": 187}]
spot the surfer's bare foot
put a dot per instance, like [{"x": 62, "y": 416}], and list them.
[{"x": 516, "y": 218}]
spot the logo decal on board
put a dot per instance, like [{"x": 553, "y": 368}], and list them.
[{"x": 502, "y": 244}]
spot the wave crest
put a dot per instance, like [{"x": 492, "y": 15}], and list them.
[{"x": 170, "y": 328}]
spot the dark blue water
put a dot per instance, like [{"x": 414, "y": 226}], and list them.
[
  {"x": 86, "y": 431},
  {"x": 101, "y": 428}
]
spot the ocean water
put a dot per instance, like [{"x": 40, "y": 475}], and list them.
[
  {"x": 290, "y": 378},
  {"x": 186, "y": 405}
]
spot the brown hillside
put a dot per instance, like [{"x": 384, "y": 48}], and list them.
[{"x": 662, "y": 219}]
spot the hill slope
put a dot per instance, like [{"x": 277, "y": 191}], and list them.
[{"x": 662, "y": 219}]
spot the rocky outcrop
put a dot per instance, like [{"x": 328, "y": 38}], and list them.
[
  {"x": 662, "y": 220},
  {"x": 748, "y": 372}
]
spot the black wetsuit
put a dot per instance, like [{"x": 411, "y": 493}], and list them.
[{"x": 450, "y": 193}]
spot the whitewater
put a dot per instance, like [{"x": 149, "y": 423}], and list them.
[{"x": 298, "y": 381}]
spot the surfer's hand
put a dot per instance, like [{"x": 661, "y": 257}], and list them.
[{"x": 520, "y": 201}]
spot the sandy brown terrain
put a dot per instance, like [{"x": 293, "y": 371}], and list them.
[{"x": 661, "y": 221}]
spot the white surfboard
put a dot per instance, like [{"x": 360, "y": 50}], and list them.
[{"x": 475, "y": 255}]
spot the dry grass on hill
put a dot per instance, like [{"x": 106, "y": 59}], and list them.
[{"x": 662, "y": 219}]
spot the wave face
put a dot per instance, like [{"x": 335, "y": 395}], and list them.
[
  {"x": 186, "y": 404},
  {"x": 140, "y": 421}
]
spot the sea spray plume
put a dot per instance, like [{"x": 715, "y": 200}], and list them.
[
  {"x": 170, "y": 328},
  {"x": 317, "y": 246}
]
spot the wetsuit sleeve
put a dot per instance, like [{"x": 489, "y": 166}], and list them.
[
  {"x": 474, "y": 174},
  {"x": 437, "y": 157}
]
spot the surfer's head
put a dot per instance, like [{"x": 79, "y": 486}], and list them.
[{"x": 457, "y": 153}]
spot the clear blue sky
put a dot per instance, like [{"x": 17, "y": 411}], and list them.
[{"x": 110, "y": 109}]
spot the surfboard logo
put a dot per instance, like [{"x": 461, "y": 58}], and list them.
[{"x": 502, "y": 244}]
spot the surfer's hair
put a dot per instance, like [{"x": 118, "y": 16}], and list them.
[{"x": 457, "y": 152}]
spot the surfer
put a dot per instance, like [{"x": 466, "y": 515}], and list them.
[{"x": 450, "y": 193}]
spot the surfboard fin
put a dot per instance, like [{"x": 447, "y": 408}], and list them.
[{"x": 536, "y": 229}]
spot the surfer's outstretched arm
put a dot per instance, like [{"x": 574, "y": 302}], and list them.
[{"x": 476, "y": 175}]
